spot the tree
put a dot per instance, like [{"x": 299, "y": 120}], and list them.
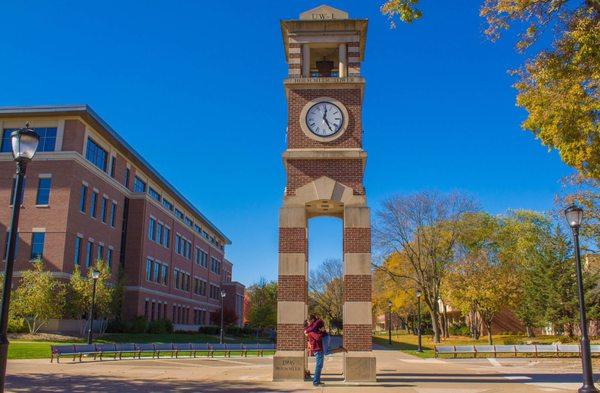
[
  {"x": 586, "y": 193},
  {"x": 80, "y": 292},
  {"x": 326, "y": 292},
  {"x": 558, "y": 87},
  {"x": 263, "y": 304},
  {"x": 38, "y": 298},
  {"x": 423, "y": 228}
]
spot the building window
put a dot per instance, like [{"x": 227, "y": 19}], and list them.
[
  {"x": 167, "y": 237},
  {"x": 159, "y": 233},
  {"x": 152, "y": 229},
  {"x": 138, "y": 185},
  {"x": 89, "y": 249},
  {"x": 83, "y": 198},
  {"x": 37, "y": 245},
  {"x": 165, "y": 274},
  {"x": 188, "y": 221},
  {"x": 157, "y": 272},
  {"x": 94, "y": 204},
  {"x": 95, "y": 154},
  {"x": 127, "y": 175},
  {"x": 153, "y": 194},
  {"x": 148, "y": 270},
  {"x": 167, "y": 204},
  {"x": 113, "y": 214},
  {"x": 109, "y": 257},
  {"x": 77, "y": 251},
  {"x": 113, "y": 163},
  {"x": 176, "y": 278},
  {"x": 43, "y": 191},
  {"x": 215, "y": 266},
  {"x": 197, "y": 228},
  {"x": 100, "y": 256},
  {"x": 203, "y": 259},
  {"x": 104, "y": 209},
  {"x": 178, "y": 244},
  {"x": 47, "y": 139},
  {"x": 179, "y": 214}
]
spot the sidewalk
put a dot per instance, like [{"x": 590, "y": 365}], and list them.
[{"x": 397, "y": 372}]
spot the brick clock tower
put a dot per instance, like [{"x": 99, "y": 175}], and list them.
[{"x": 324, "y": 163}]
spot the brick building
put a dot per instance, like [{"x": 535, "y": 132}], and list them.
[{"x": 89, "y": 195}]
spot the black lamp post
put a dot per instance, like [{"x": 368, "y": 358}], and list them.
[
  {"x": 420, "y": 347},
  {"x": 389, "y": 304},
  {"x": 222, "y": 301},
  {"x": 574, "y": 215},
  {"x": 95, "y": 276},
  {"x": 24, "y": 145}
]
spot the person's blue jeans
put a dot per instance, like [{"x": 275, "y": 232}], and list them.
[{"x": 318, "y": 367}]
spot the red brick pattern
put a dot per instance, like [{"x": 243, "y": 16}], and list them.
[
  {"x": 292, "y": 240},
  {"x": 357, "y": 240},
  {"x": 357, "y": 337},
  {"x": 292, "y": 289},
  {"x": 347, "y": 172},
  {"x": 351, "y": 98},
  {"x": 290, "y": 337},
  {"x": 357, "y": 288}
]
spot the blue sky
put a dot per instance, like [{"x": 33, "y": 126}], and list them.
[{"x": 439, "y": 111}]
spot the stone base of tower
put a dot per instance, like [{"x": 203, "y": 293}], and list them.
[
  {"x": 360, "y": 367},
  {"x": 288, "y": 366}
]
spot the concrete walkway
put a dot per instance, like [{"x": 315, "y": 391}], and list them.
[{"x": 397, "y": 372}]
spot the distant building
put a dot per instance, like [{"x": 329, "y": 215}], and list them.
[{"x": 89, "y": 195}]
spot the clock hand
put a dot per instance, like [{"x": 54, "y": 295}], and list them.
[{"x": 328, "y": 125}]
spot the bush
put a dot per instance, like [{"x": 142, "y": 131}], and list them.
[
  {"x": 460, "y": 330},
  {"x": 160, "y": 326},
  {"x": 209, "y": 329},
  {"x": 136, "y": 325},
  {"x": 115, "y": 326},
  {"x": 17, "y": 325}
]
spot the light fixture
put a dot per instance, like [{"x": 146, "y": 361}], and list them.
[
  {"x": 574, "y": 215},
  {"x": 418, "y": 293},
  {"x": 24, "y": 143},
  {"x": 95, "y": 274},
  {"x": 223, "y": 293}
]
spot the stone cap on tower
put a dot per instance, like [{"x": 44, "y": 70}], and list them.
[{"x": 318, "y": 30}]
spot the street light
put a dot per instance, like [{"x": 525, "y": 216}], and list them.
[
  {"x": 223, "y": 294},
  {"x": 418, "y": 293},
  {"x": 389, "y": 304},
  {"x": 574, "y": 215},
  {"x": 95, "y": 276},
  {"x": 24, "y": 144}
]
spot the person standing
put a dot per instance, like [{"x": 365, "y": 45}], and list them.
[{"x": 315, "y": 341}]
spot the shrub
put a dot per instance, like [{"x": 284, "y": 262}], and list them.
[
  {"x": 209, "y": 329},
  {"x": 460, "y": 330},
  {"x": 136, "y": 325},
  {"x": 115, "y": 326},
  {"x": 160, "y": 326},
  {"x": 17, "y": 325}
]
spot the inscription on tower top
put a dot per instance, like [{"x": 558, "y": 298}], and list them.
[{"x": 324, "y": 12}]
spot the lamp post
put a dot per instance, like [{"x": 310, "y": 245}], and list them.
[
  {"x": 389, "y": 304},
  {"x": 222, "y": 301},
  {"x": 574, "y": 216},
  {"x": 24, "y": 143},
  {"x": 95, "y": 276},
  {"x": 420, "y": 347}
]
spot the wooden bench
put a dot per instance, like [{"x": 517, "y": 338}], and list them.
[{"x": 515, "y": 350}]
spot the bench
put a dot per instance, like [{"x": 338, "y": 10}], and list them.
[
  {"x": 153, "y": 349},
  {"x": 515, "y": 350}
]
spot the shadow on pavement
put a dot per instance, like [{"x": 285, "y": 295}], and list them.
[
  {"x": 43, "y": 383},
  {"x": 478, "y": 378}
]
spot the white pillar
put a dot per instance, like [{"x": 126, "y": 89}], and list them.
[
  {"x": 306, "y": 61},
  {"x": 343, "y": 61}
]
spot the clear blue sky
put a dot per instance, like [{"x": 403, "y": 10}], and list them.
[{"x": 439, "y": 109}]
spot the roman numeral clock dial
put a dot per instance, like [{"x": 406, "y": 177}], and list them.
[{"x": 324, "y": 119}]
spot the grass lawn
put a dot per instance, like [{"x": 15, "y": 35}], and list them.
[
  {"x": 31, "y": 349},
  {"x": 408, "y": 342}
]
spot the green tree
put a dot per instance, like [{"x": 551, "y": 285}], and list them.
[
  {"x": 559, "y": 86},
  {"x": 326, "y": 292},
  {"x": 80, "y": 292},
  {"x": 263, "y": 304},
  {"x": 38, "y": 298}
]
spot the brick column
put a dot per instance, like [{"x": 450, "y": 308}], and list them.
[
  {"x": 292, "y": 295},
  {"x": 359, "y": 362}
]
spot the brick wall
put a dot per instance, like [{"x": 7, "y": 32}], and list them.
[
  {"x": 292, "y": 240},
  {"x": 347, "y": 172},
  {"x": 290, "y": 337},
  {"x": 357, "y": 240},
  {"x": 357, "y": 288},
  {"x": 358, "y": 337},
  {"x": 292, "y": 288}
]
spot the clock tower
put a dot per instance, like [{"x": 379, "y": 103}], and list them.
[{"x": 324, "y": 163}]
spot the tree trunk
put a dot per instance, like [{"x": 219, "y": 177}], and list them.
[
  {"x": 529, "y": 331},
  {"x": 435, "y": 324},
  {"x": 447, "y": 333},
  {"x": 489, "y": 329}
]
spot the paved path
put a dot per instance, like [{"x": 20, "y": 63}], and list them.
[{"x": 397, "y": 372}]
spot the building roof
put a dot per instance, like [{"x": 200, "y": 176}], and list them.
[{"x": 88, "y": 114}]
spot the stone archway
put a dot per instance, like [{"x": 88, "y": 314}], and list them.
[{"x": 324, "y": 196}]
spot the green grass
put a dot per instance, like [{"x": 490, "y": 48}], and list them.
[
  {"x": 32, "y": 349},
  {"x": 408, "y": 342}
]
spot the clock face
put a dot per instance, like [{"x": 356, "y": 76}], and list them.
[{"x": 324, "y": 119}]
